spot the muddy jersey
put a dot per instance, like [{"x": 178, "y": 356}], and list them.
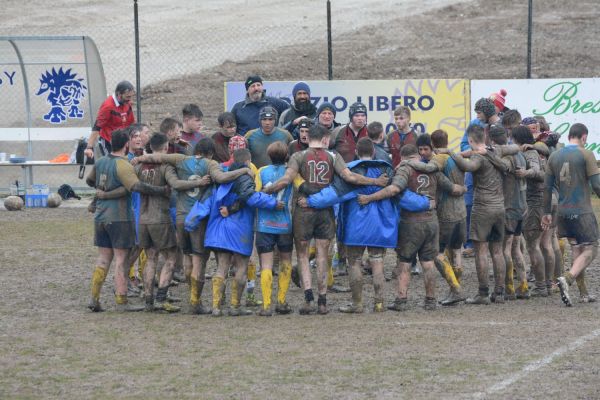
[
  {"x": 316, "y": 167},
  {"x": 112, "y": 172},
  {"x": 423, "y": 183},
  {"x": 535, "y": 183},
  {"x": 515, "y": 188},
  {"x": 345, "y": 141},
  {"x": 153, "y": 209},
  {"x": 258, "y": 142},
  {"x": 488, "y": 194},
  {"x": 450, "y": 208},
  {"x": 570, "y": 169}
]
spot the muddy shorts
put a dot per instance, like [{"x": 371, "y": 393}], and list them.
[
  {"x": 309, "y": 223},
  {"x": 583, "y": 228},
  {"x": 356, "y": 253},
  {"x": 487, "y": 227},
  {"x": 157, "y": 236},
  {"x": 533, "y": 219},
  {"x": 265, "y": 242},
  {"x": 513, "y": 226},
  {"x": 420, "y": 238},
  {"x": 452, "y": 235},
  {"x": 114, "y": 235},
  {"x": 192, "y": 242}
]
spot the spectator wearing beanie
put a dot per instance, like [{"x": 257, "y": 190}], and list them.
[
  {"x": 347, "y": 136},
  {"x": 499, "y": 100},
  {"x": 246, "y": 111},
  {"x": 301, "y": 109},
  {"x": 326, "y": 116}
]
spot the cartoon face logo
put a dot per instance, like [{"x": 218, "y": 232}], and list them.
[{"x": 64, "y": 92}]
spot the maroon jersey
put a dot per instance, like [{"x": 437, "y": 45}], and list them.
[
  {"x": 395, "y": 142},
  {"x": 316, "y": 166}
]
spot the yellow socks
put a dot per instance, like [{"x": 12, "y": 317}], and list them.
[
  {"x": 266, "y": 285},
  {"x": 194, "y": 292},
  {"x": 217, "y": 283},
  {"x": 329, "y": 272},
  {"x": 285, "y": 276},
  {"x": 98, "y": 278}
]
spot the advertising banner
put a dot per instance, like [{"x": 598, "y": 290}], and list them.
[
  {"x": 434, "y": 103},
  {"x": 562, "y": 102}
]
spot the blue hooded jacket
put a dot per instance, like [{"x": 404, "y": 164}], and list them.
[
  {"x": 233, "y": 233},
  {"x": 375, "y": 224}
]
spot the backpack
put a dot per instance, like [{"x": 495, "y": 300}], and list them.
[{"x": 79, "y": 157}]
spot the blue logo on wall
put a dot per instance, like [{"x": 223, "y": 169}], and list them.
[{"x": 64, "y": 94}]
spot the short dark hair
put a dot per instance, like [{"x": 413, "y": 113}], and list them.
[
  {"x": 365, "y": 147},
  {"x": 277, "y": 152},
  {"x": 191, "y": 111},
  {"x": 241, "y": 156},
  {"x": 124, "y": 86},
  {"x": 157, "y": 141},
  {"x": 424, "y": 140},
  {"x": 226, "y": 118},
  {"x": 498, "y": 134},
  {"x": 119, "y": 139},
  {"x": 135, "y": 128},
  {"x": 476, "y": 133},
  {"x": 408, "y": 150},
  {"x": 522, "y": 135},
  {"x": 205, "y": 147},
  {"x": 577, "y": 131},
  {"x": 511, "y": 119},
  {"x": 374, "y": 130},
  {"x": 317, "y": 132},
  {"x": 168, "y": 124},
  {"x": 439, "y": 139}
]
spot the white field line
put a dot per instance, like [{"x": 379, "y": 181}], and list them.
[{"x": 535, "y": 365}]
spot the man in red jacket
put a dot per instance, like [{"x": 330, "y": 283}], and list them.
[{"x": 114, "y": 113}]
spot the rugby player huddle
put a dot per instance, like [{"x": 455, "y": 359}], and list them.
[{"x": 407, "y": 191}]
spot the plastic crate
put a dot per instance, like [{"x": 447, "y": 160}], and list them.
[{"x": 37, "y": 196}]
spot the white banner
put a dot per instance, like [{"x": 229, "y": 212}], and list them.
[{"x": 562, "y": 102}]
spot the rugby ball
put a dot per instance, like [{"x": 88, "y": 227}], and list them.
[
  {"x": 54, "y": 200},
  {"x": 14, "y": 203}
]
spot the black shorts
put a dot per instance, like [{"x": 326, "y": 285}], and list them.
[
  {"x": 310, "y": 224},
  {"x": 452, "y": 235},
  {"x": 583, "y": 228},
  {"x": 192, "y": 242},
  {"x": 157, "y": 236},
  {"x": 513, "y": 227},
  {"x": 265, "y": 242},
  {"x": 114, "y": 235},
  {"x": 417, "y": 238}
]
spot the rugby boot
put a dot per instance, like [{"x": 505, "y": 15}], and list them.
[
  {"x": 378, "y": 307},
  {"x": 587, "y": 298},
  {"x": 339, "y": 289},
  {"x": 479, "y": 299},
  {"x": 307, "y": 308},
  {"x": 322, "y": 310},
  {"x": 149, "y": 303},
  {"x": 398, "y": 305},
  {"x": 283, "y": 308},
  {"x": 352, "y": 309},
  {"x": 171, "y": 298},
  {"x": 539, "y": 291},
  {"x": 430, "y": 304},
  {"x": 497, "y": 297},
  {"x": 237, "y": 311},
  {"x": 455, "y": 296},
  {"x": 166, "y": 306},
  {"x": 322, "y": 303},
  {"x": 94, "y": 305},
  {"x": 129, "y": 308},
  {"x": 199, "y": 309},
  {"x": 563, "y": 285},
  {"x": 217, "y": 312},
  {"x": 265, "y": 312},
  {"x": 252, "y": 301}
]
